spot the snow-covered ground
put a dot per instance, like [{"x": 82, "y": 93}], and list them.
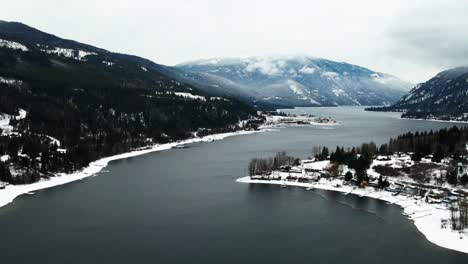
[
  {"x": 4, "y": 158},
  {"x": 435, "y": 120},
  {"x": 108, "y": 63},
  {"x": 12, "y": 45},
  {"x": 10, "y": 81},
  {"x": 190, "y": 96},
  {"x": 427, "y": 217},
  {"x": 5, "y": 126},
  {"x": 198, "y": 97},
  {"x": 276, "y": 120},
  {"x": 69, "y": 53},
  {"x": 10, "y": 192}
]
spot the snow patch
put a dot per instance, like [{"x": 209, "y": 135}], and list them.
[
  {"x": 307, "y": 70},
  {"x": 10, "y": 81},
  {"x": 62, "y": 150},
  {"x": 69, "y": 53},
  {"x": 82, "y": 54},
  {"x": 191, "y": 96},
  {"x": 5, "y": 126},
  {"x": 338, "y": 92},
  {"x": 22, "y": 114},
  {"x": 108, "y": 63},
  {"x": 295, "y": 88},
  {"x": 4, "y": 158},
  {"x": 12, "y": 45},
  {"x": 272, "y": 98},
  {"x": 330, "y": 74},
  {"x": 312, "y": 101}
]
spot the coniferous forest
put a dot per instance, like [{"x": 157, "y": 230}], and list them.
[
  {"x": 79, "y": 110},
  {"x": 437, "y": 145},
  {"x": 444, "y": 143}
]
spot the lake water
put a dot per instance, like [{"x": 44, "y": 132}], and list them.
[{"x": 184, "y": 206}]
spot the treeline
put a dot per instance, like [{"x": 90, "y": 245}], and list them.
[
  {"x": 261, "y": 166},
  {"x": 31, "y": 157},
  {"x": 96, "y": 111},
  {"x": 357, "y": 158},
  {"x": 445, "y": 143}
]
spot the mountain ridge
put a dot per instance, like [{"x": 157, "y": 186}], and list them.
[
  {"x": 443, "y": 97},
  {"x": 298, "y": 80},
  {"x": 64, "y": 104}
]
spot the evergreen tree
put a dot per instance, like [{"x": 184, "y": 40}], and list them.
[
  {"x": 438, "y": 154},
  {"x": 417, "y": 156},
  {"x": 348, "y": 176},
  {"x": 452, "y": 177},
  {"x": 464, "y": 180},
  {"x": 383, "y": 149}
]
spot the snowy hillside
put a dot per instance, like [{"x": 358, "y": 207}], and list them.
[
  {"x": 297, "y": 81},
  {"x": 65, "y": 104},
  {"x": 445, "y": 96}
]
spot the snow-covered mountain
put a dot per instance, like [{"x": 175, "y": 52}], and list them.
[
  {"x": 296, "y": 81},
  {"x": 445, "y": 96}
]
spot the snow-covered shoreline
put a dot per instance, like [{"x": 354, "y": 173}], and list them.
[
  {"x": 10, "y": 192},
  {"x": 434, "y": 120},
  {"x": 426, "y": 217},
  {"x": 297, "y": 121}
]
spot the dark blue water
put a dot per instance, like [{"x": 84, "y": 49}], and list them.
[{"x": 184, "y": 206}]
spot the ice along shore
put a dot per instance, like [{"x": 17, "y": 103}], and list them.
[{"x": 10, "y": 192}]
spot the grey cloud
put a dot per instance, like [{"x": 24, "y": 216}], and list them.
[
  {"x": 412, "y": 39},
  {"x": 434, "y": 33}
]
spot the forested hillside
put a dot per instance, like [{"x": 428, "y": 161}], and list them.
[
  {"x": 443, "y": 97},
  {"x": 64, "y": 104}
]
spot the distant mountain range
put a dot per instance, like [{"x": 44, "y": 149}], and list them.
[
  {"x": 444, "y": 97},
  {"x": 264, "y": 82},
  {"x": 294, "y": 81}
]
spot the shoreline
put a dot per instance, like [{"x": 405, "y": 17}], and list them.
[
  {"x": 434, "y": 120},
  {"x": 421, "y": 119},
  {"x": 426, "y": 217},
  {"x": 11, "y": 192}
]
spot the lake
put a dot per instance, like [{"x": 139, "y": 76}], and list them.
[{"x": 184, "y": 206}]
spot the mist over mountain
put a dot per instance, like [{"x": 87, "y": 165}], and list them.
[{"x": 295, "y": 81}]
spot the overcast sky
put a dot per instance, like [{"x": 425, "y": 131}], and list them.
[{"x": 412, "y": 39}]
